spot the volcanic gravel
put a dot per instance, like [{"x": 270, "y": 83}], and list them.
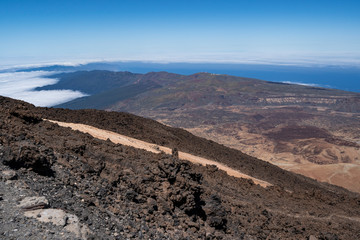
[{"x": 120, "y": 192}]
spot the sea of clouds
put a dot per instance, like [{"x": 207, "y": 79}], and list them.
[{"x": 21, "y": 85}]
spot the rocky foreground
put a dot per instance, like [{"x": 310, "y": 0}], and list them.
[{"x": 57, "y": 183}]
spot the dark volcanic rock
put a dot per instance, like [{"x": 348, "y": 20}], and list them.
[
  {"x": 215, "y": 212},
  {"x": 121, "y": 192},
  {"x": 29, "y": 157},
  {"x": 154, "y": 132},
  {"x": 28, "y": 118}
]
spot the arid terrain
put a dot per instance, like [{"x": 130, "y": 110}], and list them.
[
  {"x": 309, "y": 130},
  {"x": 60, "y": 183},
  {"x": 306, "y": 143}
]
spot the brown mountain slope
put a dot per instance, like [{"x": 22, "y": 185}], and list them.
[
  {"x": 288, "y": 125},
  {"x": 154, "y": 132},
  {"x": 309, "y": 130},
  {"x": 121, "y": 192},
  {"x": 136, "y": 143}
]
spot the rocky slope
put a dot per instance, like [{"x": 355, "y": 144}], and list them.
[
  {"x": 111, "y": 191},
  {"x": 309, "y": 130}
]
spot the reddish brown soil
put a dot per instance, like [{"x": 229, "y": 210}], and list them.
[{"x": 289, "y": 133}]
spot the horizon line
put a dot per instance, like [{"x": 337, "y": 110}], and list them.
[{"x": 82, "y": 62}]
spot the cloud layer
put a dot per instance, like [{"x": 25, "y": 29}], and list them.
[
  {"x": 308, "y": 84},
  {"x": 21, "y": 85}
]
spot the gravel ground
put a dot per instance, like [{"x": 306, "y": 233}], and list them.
[
  {"x": 120, "y": 192},
  {"x": 13, "y": 223}
]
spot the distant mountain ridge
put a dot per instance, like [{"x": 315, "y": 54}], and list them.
[
  {"x": 91, "y": 82},
  {"x": 339, "y": 77},
  {"x": 253, "y": 91}
]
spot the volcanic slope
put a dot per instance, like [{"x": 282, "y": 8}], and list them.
[
  {"x": 121, "y": 192},
  {"x": 128, "y": 141},
  {"x": 309, "y": 130}
]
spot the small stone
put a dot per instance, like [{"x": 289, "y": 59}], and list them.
[
  {"x": 33, "y": 203},
  {"x": 312, "y": 237},
  {"x": 9, "y": 175}
]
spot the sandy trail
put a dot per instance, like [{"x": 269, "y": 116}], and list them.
[{"x": 128, "y": 141}]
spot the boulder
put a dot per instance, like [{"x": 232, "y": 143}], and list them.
[
  {"x": 33, "y": 203},
  {"x": 59, "y": 217},
  {"x": 215, "y": 212}
]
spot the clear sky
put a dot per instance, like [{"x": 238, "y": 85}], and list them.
[{"x": 299, "y": 31}]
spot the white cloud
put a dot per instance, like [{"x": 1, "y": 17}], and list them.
[
  {"x": 48, "y": 98},
  {"x": 307, "y": 84},
  {"x": 303, "y": 84},
  {"x": 305, "y": 59},
  {"x": 12, "y": 83},
  {"x": 34, "y": 64},
  {"x": 21, "y": 85}
]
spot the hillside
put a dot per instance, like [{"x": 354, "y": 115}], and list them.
[
  {"x": 309, "y": 130},
  {"x": 112, "y": 191},
  {"x": 88, "y": 81}
]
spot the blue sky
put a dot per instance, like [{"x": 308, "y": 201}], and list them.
[{"x": 275, "y": 31}]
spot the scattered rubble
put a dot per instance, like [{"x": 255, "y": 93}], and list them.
[{"x": 100, "y": 190}]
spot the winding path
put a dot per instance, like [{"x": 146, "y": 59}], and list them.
[{"x": 128, "y": 141}]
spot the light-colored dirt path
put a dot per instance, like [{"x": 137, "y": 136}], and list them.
[
  {"x": 128, "y": 141},
  {"x": 308, "y": 216}
]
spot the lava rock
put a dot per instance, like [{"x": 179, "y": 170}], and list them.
[
  {"x": 215, "y": 213},
  {"x": 32, "y": 203}
]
